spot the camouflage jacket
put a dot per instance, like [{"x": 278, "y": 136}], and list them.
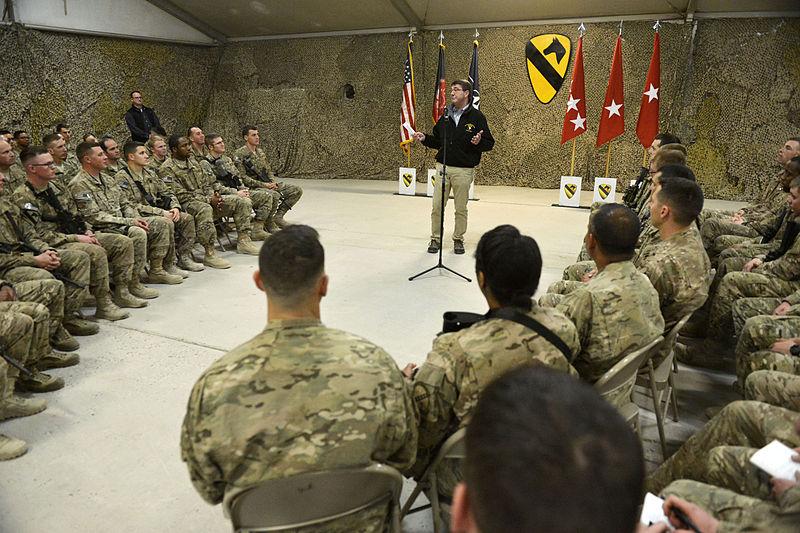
[
  {"x": 787, "y": 266},
  {"x": 155, "y": 164},
  {"x": 189, "y": 182},
  {"x": 678, "y": 268},
  {"x": 224, "y": 166},
  {"x": 614, "y": 314},
  {"x": 298, "y": 397},
  {"x": 45, "y": 217},
  {"x": 461, "y": 364},
  {"x": 67, "y": 169},
  {"x": 14, "y": 177},
  {"x": 132, "y": 187},
  {"x": 16, "y": 229},
  {"x": 258, "y": 161},
  {"x": 100, "y": 201}
]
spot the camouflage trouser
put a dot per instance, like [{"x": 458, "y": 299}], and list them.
[
  {"x": 707, "y": 214},
  {"x": 75, "y": 265},
  {"x": 583, "y": 255},
  {"x": 550, "y": 299},
  {"x": 239, "y": 208},
  {"x": 715, "y": 227},
  {"x": 98, "y": 271},
  {"x": 119, "y": 251},
  {"x": 48, "y": 292},
  {"x": 265, "y": 203},
  {"x": 290, "y": 195},
  {"x": 575, "y": 272},
  {"x": 727, "y": 246},
  {"x": 758, "y": 335},
  {"x": 16, "y": 332},
  {"x": 746, "y": 308},
  {"x": 40, "y": 333},
  {"x": 781, "y": 389},
  {"x": 736, "y": 285},
  {"x": 185, "y": 235},
  {"x": 203, "y": 215},
  {"x": 160, "y": 237},
  {"x": 739, "y": 513},
  {"x": 564, "y": 287},
  {"x": 741, "y": 423}
]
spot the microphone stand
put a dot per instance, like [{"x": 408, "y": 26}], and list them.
[{"x": 441, "y": 211}]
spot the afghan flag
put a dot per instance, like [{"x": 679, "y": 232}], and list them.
[
  {"x": 473, "y": 77},
  {"x": 612, "y": 117},
  {"x": 408, "y": 109},
  {"x": 440, "y": 91},
  {"x": 647, "y": 125},
  {"x": 575, "y": 117}
]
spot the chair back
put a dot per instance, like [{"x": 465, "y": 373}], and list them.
[
  {"x": 672, "y": 335},
  {"x": 623, "y": 374},
  {"x": 313, "y": 498}
]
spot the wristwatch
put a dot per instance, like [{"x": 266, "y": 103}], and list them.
[{"x": 795, "y": 350}]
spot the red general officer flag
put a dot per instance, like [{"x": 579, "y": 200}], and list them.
[
  {"x": 440, "y": 91},
  {"x": 575, "y": 117},
  {"x": 612, "y": 117},
  {"x": 647, "y": 125}
]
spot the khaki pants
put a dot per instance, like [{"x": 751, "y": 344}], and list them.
[{"x": 458, "y": 180}]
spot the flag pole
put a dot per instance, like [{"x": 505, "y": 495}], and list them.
[
  {"x": 572, "y": 161},
  {"x": 608, "y": 157},
  {"x": 644, "y": 156}
]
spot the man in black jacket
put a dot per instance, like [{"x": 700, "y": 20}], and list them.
[
  {"x": 468, "y": 136},
  {"x": 140, "y": 119}
]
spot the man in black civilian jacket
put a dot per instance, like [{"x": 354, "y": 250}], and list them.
[{"x": 140, "y": 119}]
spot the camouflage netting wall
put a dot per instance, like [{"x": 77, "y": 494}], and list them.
[
  {"x": 85, "y": 81},
  {"x": 733, "y": 97}
]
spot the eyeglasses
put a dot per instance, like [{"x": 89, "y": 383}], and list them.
[{"x": 50, "y": 164}]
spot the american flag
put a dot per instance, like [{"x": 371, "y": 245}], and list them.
[{"x": 408, "y": 109}]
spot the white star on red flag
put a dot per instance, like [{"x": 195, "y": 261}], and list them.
[
  {"x": 572, "y": 103},
  {"x": 652, "y": 93},
  {"x": 613, "y": 109},
  {"x": 579, "y": 122}
]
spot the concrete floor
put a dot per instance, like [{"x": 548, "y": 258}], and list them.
[{"x": 105, "y": 454}]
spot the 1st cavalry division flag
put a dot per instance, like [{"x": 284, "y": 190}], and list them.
[{"x": 548, "y": 58}]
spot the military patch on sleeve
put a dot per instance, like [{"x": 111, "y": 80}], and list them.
[{"x": 30, "y": 207}]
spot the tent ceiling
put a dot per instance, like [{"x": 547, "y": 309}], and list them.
[{"x": 264, "y": 18}]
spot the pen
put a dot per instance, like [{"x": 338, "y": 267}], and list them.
[{"x": 680, "y": 515}]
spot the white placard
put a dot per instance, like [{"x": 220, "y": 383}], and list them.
[
  {"x": 569, "y": 193},
  {"x": 653, "y": 510},
  {"x": 407, "y": 181},
  {"x": 776, "y": 460},
  {"x": 605, "y": 190},
  {"x": 431, "y": 180}
]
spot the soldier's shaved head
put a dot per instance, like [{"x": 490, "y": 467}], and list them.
[
  {"x": 291, "y": 263},
  {"x": 615, "y": 228}
]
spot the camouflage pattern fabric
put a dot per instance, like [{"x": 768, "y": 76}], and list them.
[
  {"x": 14, "y": 177},
  {"x": 265, "y": 201},
  {"x": 67, "y": 169},
  {"x": 614, "y": 314},
  {"x": 757, "y": 336},
  {"x": 290, "y": 194},
  {"x": 729, "y": 468},
  {"x": 49, "y": 293},
  {"x": 739, "y": 513},
  {"x": 740, "y": 423},
  {"x": 462, "y": 363},
  {"x": 298, "y": 397},
  {"x": 774, "y": 387},
  {"x": 16, "y": 332}
]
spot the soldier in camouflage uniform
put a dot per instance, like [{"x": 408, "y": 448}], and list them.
[
  {"x": 10, "y": 172},
  {"x": 65, "y": 166},
  {"x": 101, "y": 203},
  {"x": 199, "y": 150},
  {"x": 252, "y": 163},
  {"x": 115, "y": 161},
  {"x": 764, "y": 344},
  {"x": 265, "y": 201},
  {"x": 157, "y": 147},
  {"x": 461, "y": 364},
  {"x": 197, "y": 188},
  {"x": 617, "y": 311},
  {"x": 38, "y": 199},
  {"x": 299, "y": 397},
  {"x": 151, "y": 197},
  {"x": 777, "y": 388}
]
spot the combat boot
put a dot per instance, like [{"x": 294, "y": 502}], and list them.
[
  {"x": 258, "y": 233},
  {"x": 11, "y": 448},
  {"x": 140, "y": 291},
  {"x": 58, "y": 360},
  {"x": 212, "y": 261},
  {"x": 245, "y": 246},
  {"x": 186, "y": 262},
  {"x": 79, "y": 326},
  {"x": 157, "y": 274},
  {"x": 19, "y": 407},
  {"x": 123, "y": 298},
  {"x": 175, "y": 271},
  {"x": 63, "y": 341},
  {"x": 39, "y": 382},
  {"x": 272, "y": 227},
  {"x": 107, "y": 309},
  {"x": 278, "y": 218}
]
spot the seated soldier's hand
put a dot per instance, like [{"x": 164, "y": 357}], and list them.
[
  {"x": 738, "y": 218},
  {"x": 244, "y": 193},
  {"x": 782, "y": 346},
  {"x": 408, "y": 370},
  {"x": 782, "y": 309},
  {"x": 661, "y": 527},
  {"x": 141, "y": 223},
  {"x": 272, "y": 186},
  {"x": 8, "y": 294},
  {"x": 779, "y": 486},
  {"x": 216, "y": 200},
  {"x": 753, "y": 264},
  {"x": 589, "y": 275},
  {"x": 87, "y": 239},
  {"x": 701, "y": 518},
  {"x": 48, "y": 260}
]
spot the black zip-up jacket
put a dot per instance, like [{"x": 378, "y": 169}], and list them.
[
  {"x": 141, "y": 122},
  {"x": 460, "y": 150}
]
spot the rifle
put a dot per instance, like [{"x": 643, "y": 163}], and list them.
[
  {"x": 12, "y": 248},
  {"x": 227, "y": 178},
  {"x": 13, "y": 362},
  {"x": 66, "y": 221},
  {"x": 247, "y": 161},
  {"x": 630, "y": 193}
]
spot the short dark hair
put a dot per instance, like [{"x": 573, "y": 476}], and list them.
[
  {"x": 541, "y": 447},
  {"x": 211, "y": 137},
  {"x": 84, "y": 148},
  {"x": 464, "y": 84},
  {"x": 174, "y": 140},
  {"x": 130, "y": 148},
  {"x": 668, "y": 157},
  {"x": 87, "y": 135},
  {"x": 61, "y": 126},
  {"x": 30, "y": 152},
  {"x": 668, "y": 138},
  {"x": 247, "y": 128},
  {"x": 5, "y": 132},
  {"x": 50, "y": 138},
  {"x": 793, "y": 167},
  {"x": 511, "y": 264},
  {"x": 18, "y": 133},
  {"x": 616, "y": 229},
  {"x": 684, "y": 197},
  {"x": 676, "y": 171},
  {"x": 134, "y": 92},
  {"x": 104, "y": 139},
  {"x": 795, "y": 139},
  {"x": 290, "y": 262}
]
